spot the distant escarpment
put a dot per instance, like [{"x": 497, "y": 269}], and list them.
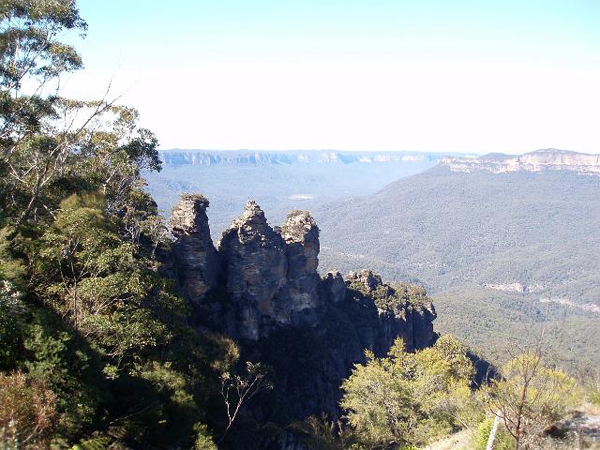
[
  {"x": 539, "y": 161},
  {"x": 179, "y": 157},
  {"x": 260, "y": 286}
]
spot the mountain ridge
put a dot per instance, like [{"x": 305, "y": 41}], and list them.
[
  {"x": 526, "y": 240},
  {"x": 542, "y": 160},
  {"x": 181, "y": 157}
]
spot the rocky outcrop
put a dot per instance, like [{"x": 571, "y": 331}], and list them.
[
  {"x": 255, "y": 268},
  {"x": 539, "y": 161},
  {"x": 333, "y": 287},
  {"x": 301, "y": 235},
  {"x": 196, "y": 261},
  {"x": 269, "y": 279},
  {"x": 262, "y": 288},
  {"x": 402, "y": 310}
]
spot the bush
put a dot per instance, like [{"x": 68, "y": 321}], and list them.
[
  {"x": 594, "y": 397},
  {"x": 204, "y": 440},
  {"x": 480, "y": 437},
  {"x": 27, "y": 411}
]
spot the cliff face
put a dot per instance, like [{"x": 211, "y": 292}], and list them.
[
  {"x": 538, "y": 161},
  {"x": 197, "y": 263},
  {"x": 255, "y": 268},
  {"x": 403, "y": 311},
  {"x": 269, "y": 276},
  {"x": 262, "y": 287},
  {"x": 178, "y": 157}
]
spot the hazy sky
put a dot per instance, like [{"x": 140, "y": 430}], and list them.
[{"x": 445, "y": 75}]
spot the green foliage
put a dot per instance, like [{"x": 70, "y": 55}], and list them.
[
  {"x": 479, "y": 439},
  {"x": 411, "y": 399},
  {"x": 95, "y": 443},
  {"x": 12, "y": 309},
  {"x": 319, "y": 433},
  {"x": 69, "y": 368},
  {"x": 85, "y": 310},
  {"x": 531, "y": 396},
  {"x": 96, "y": 280},
  {"x": 204, "y": 440}
]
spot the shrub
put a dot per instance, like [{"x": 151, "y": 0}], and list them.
[
  {"x": 27, "y": 411},
  {"x": 503, "y": 440}
]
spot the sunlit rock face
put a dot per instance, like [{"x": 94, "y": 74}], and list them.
[
  {"x": 197, "y": 262},
  {"x": 255, "y": 268},
  {"x": 301, "y": 236},
  {"x": 403, "y": 310},
  {"x": 539, "y": 161}
]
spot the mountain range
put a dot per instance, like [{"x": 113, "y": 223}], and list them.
[
  {"x": 508, "y": 245},
  {"x": 505, "y": 244}
]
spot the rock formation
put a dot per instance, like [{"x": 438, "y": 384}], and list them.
[
  {"x": 403, "y": 311},
  {"x": 255, "y": 268},
  {"x": 262, "y": 288},
  {"x": 301, "y": 235},
  {"x": 197, "y": 261},
  {"x": 270, "y": 278},
  {"x": 333, "y": 287}
]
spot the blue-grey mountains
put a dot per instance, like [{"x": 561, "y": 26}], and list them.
[{"x": 505, "y": 244}]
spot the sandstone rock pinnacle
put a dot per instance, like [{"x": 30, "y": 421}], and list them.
[
  {"x": 334, "y": 287},
  {"x": 255, "y": 267},
  {"x": 301, "y": 236},
  {"x": 197, "y": 262}
]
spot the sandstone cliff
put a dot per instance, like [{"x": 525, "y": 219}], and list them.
[
  {"x": 196, "y": 261},
  {"x": 269, "y": 276},
  {"x": 539, "y": 161}
]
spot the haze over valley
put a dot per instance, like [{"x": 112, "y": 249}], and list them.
[{"x": 280, "y": 181}]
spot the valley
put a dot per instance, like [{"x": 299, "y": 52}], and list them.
[
  {"x": 278, "y": 181},
  {"x": 507, "y": 245}
]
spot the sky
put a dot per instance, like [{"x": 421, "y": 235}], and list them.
[{"x": 425, "y": 75}]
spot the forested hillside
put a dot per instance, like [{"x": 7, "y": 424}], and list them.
[{"x": 500, "y": 251}]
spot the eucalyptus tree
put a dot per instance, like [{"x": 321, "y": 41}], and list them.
[{"x": 51, "y": 146}]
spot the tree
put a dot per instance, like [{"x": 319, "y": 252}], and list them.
[
  {"x": 237, "y": 390},
  {"x": 11, "y": 310},
  {"x": 411, "y": 398},
  {"x": 31, "y": 56},
  {"x": 530, "y": 396},
  {"x": 50, "y": 146},
  {"x": 379, "y": 403}
]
